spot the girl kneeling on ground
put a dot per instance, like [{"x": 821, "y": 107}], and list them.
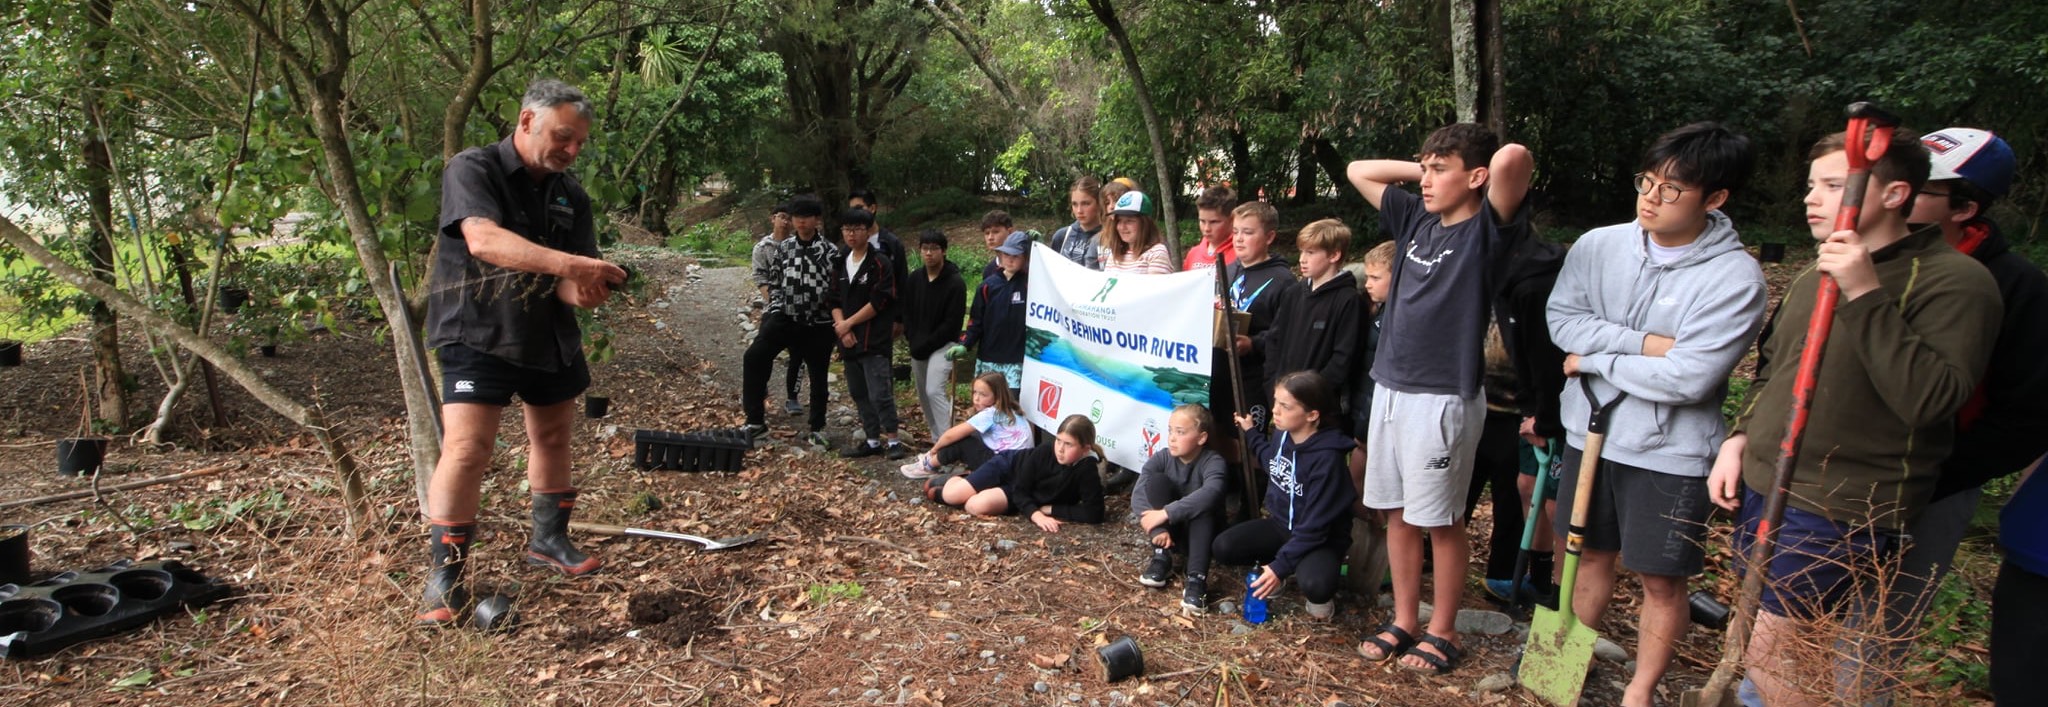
[
  {"x": 1179, "y": 500},
  {"x": 997, "y": 425},
  {"x": 1308, "y": 496},
  {"x": 1050, "y": 483}
]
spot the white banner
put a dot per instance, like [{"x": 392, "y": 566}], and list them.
[{"x": 1122, "y": 349}]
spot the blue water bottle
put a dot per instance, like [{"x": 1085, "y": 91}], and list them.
[{"x": 1254, "y": 607}]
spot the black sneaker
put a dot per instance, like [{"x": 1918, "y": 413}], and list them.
[
  {"x": 792, "y": 408},
  {"x": 1193, "y": 594},
  {"x": 871, "y": 448},
  {"x": 757, "y": 432},
  {"x": 1157, "y": 571},
  {"x": 897, "y": 450}
]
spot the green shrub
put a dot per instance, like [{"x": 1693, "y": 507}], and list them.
[{"x": 949, "y": 202}]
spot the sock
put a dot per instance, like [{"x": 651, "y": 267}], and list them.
[
  {"x": 1539, "y": 571},
  {"x": 874, "y": 442}
]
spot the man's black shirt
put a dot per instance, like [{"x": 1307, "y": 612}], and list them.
[{"x": 506, "y": 313}]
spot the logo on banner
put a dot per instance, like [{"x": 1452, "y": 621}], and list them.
[
  {"x": 1151, "y": 435},
  {"x": 1049, "y": 399},
  {"x": 1102, "y": 295}
]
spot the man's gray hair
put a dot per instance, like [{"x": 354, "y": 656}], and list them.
[{"x": 548, "y": 93}]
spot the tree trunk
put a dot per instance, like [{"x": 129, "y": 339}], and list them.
[
  {"x": 1493, "y": 79},
  {"x": 327, "y": 81},
  {"x": 1241, "y": 165},
  {"x": 1163, "y": 171},
  {"x": 348, "y": 476},
  {"x": 1464, "y": 61},
  {"x": 1333, "y": 164},
  {"x": 110, "y": 384},
  {"x": 456, "y": 118},
  {"x": 1305, "y": 172}
]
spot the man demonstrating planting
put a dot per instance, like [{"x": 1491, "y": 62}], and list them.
[{"x": 518, "y": 251}]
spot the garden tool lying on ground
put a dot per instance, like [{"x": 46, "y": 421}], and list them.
[
  {"x": 1560, "y": 646},
  {"x": 708, "y": 543}
]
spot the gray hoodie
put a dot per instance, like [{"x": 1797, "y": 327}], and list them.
[{"x": 1609, "y": 295}]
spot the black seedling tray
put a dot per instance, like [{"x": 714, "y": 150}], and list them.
[
  {"x": 707, "y": 450},
  {"x": 74, "y": 607}
]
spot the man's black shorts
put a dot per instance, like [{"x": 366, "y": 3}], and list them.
[{"x": 472, "y": 376}]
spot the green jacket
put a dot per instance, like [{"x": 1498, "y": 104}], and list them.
[{"x": 1900, "y": 362}]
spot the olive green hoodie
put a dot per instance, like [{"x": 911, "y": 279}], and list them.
[{"x": 1900, "y": 362}]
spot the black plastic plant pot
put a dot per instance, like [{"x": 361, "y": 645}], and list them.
[
  {"x": 1771, "y": 252},
  {"x": 10, "y": 353},
  {"x": 80, "y": 455},
  {"x": 1708, "y": 611},
  {"x": 14, "y": 566},
  {"x": 1121, "y": 659},
  {"x": 268, "y": 350},
  {"x": 596, "y": 405},
  {"x": 232, "y": 299}
]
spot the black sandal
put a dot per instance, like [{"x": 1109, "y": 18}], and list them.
[
  {"x": 1403, "y": 641},
  {"x": 1437, "y": 664}
]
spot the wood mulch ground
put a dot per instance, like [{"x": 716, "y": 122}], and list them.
[{"x": 862, "y": 593}]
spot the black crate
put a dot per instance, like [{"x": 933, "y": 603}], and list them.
[
  {"x": 705, "y": 450},
  {"x": 71, "y": 607}
]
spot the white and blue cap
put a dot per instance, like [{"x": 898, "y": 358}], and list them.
[
  {"x": 1972, "y": 155},
  {"x": 1132, "y": 203},
  {"x": 1017, "y": 243}
]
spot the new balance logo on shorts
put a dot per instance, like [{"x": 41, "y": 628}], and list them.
[
  {"x": 465, "y": 386},
  {"x": 1438, "y": 464}
]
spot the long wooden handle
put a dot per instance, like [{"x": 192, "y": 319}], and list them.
[{"x": 599, "y": 528}]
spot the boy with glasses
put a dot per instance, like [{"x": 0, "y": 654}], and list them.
[{"x": 1659, "y": 310}]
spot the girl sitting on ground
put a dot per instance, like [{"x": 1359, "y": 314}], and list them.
[
  {"x": 1308, "y": 496},
  {"x": 997, "y": 425},
  {"x": 1054, "y": 482},
  {"x": 1179, "y": 500}
]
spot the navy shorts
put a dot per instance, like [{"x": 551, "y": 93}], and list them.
[
  {"x": 472, "y": 376},
  {"x": 990, "y": 476},
  {"x": 1816, "y": 562}
]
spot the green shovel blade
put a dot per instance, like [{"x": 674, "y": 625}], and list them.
[{"x": 1555, "y": 658}]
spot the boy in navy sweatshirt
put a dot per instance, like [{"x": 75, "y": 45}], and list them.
[{"x": 995, "y": 320}]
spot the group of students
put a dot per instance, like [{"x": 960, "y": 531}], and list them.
[{"x": 1446, "y": 365}]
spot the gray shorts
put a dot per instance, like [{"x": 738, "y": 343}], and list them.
[
  {"x": 1419, "y": 459},
  {"x": 1657, "y": 521}
]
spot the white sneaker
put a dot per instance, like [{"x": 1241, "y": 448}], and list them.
[{"x": 916, "y": 469}]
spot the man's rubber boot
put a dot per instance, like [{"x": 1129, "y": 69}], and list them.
[
  {"x": 550, "y": 545},
  {"x": 446, "y": 600}
]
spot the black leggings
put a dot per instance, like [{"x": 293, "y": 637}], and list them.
[
  {"x": 1196, "y": 537},
  {"x": 1499, "y": 462},
  {"x": 970, "y": 452},
  {"x": 1257, "y": 541}
]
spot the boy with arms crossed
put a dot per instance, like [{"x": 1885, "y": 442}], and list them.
[
  {"x": 1429, "y": 363},
  {"x": 1911, "y": 335},
  {"x": 1660, "y": 309}
]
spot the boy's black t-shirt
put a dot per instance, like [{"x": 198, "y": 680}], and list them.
[{"x": 1435, "y": 321}]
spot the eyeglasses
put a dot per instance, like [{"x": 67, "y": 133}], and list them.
[{"x": 1667, "y": 192}]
